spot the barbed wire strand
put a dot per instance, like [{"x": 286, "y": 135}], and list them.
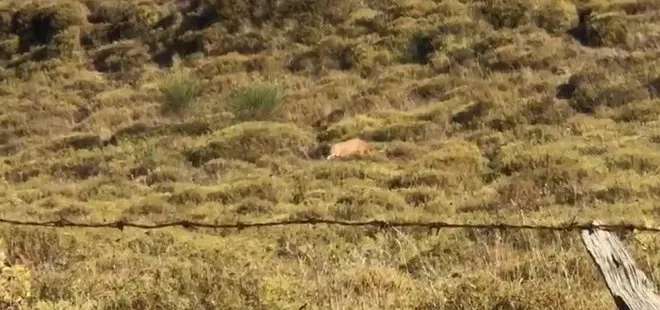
[{"x": 121, "y": 224}]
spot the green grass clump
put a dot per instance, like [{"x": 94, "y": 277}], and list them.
[
  {"x": 596, "y": 90},
  {"x": 15, "y": 282},
  {"x": 180, "y": 91},
  {"x": 255, "y": 102},
  {"x": 506, "y": 14},
  {"x": 249, "y": 141},
  {"x": 606, "y": 29},
  {"x": 556, "y": 16}
]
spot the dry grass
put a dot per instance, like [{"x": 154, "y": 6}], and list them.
[{"x": 525, "y": 111}]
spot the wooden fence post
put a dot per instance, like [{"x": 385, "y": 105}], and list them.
[{"x": 629, "y": 286}]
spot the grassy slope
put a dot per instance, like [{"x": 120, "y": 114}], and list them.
[{"x": 489, "y": 111}]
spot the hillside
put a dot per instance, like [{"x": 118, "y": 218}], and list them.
[{"x": 537, "y": 112}]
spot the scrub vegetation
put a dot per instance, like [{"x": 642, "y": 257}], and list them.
[{"x": 517, "y": 111}]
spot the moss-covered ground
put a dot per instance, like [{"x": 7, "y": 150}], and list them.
[{"x": 488, "y": 111}]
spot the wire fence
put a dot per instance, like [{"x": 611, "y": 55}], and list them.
[
  {"x": 605, "y": 249},
  {"x": 433, "y": 225}
]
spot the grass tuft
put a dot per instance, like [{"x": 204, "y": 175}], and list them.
[
  {"x": 255, "y": 102},
  {"x": 181, "y": 92}
]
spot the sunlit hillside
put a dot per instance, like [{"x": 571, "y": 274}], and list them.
[{"x": 220, "y": 111}]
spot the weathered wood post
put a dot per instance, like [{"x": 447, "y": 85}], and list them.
[{"x": 629, "y": 286}]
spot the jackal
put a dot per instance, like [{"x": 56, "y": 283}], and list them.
[{"x": 355, "y": 146}]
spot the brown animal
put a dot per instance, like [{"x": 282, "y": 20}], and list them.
[{"x": 355, "y": 146}]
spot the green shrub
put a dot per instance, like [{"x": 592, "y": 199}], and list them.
[
  {"x": 506, "y": 14},
  {"x": 257, "y": 102},
  {"x": 595, "y": 88},
  {"x": 361, "y": 202},
  {"x": 556, "y": 16},
  {"x": 15, "y": 282},
  {"x": 419, "y": 49},
  {"x": 249, "y": 141},
  {"x": 607, "y": 29},
  {"x": 181, "y": 91}
]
